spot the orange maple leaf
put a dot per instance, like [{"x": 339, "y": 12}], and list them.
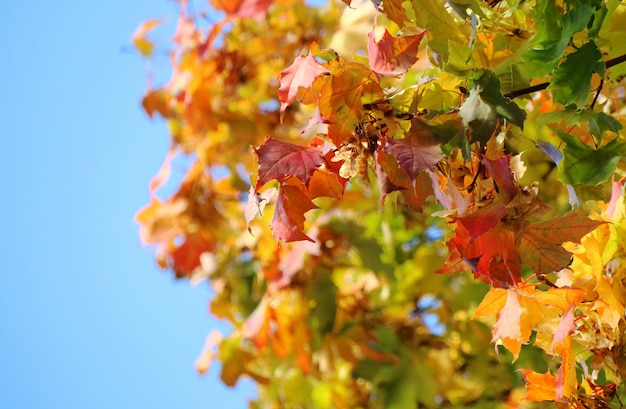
[
  {"x": 541, "y": 247},
  {"x": 342, "y": 96},
  {"x": 539, "y": 387},
  {"x": 508, "y": 330}
]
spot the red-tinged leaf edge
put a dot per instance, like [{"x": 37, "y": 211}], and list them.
[
  {"x": 288, "y": 221},
  {"x": 280, "y": 160}
]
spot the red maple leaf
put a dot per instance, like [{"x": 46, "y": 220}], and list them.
[
  {"x": 390, "y": 176},
  {"x": 186, "y": 257},
  {"x": 256, "y": 9},
  {"x": 393, "y": 55},
  {"x": 288, "y": 221},
  {"x": 454, "y": 263},
  {"x": 412, "y": 155},
  {"x": 492, "y": 255},
  {"x": 280, "y": 160},
  {"x": 482, "y": 220},
  {"x": 422, "y": 189},
  {"x": 500, "y": 171},
  {"x": 301, "y": 73}
]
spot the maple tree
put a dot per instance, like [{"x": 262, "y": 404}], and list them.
[{"x": 377, "y": 191}]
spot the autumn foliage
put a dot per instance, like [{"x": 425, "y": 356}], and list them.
[{"x": 400, "y": 203}]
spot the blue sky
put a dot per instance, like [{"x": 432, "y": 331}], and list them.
[{"x": 87, "y": 320}]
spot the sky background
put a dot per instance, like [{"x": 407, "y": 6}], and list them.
[{"x": 87, "y": 320}]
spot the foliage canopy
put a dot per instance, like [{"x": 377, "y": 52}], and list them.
[{"x": 378, "y": 191}]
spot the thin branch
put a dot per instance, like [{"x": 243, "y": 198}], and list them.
[
  {"x": 517, "y": 93},
  {"x": 529, "y": 90},
  {"x": 595, "y": 98}
]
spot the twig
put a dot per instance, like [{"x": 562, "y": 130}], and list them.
[
  {"x": 595, "y": 98},
  {"x": 517, "y": 93}
]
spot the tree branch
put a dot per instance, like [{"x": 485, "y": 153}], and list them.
[{"x": 517, "y": 93}]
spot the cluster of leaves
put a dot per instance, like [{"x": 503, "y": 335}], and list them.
[{"x": 427, "y": 178}]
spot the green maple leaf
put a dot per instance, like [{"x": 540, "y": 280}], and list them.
[
  {"x": 598, "y": 122},
  {"x": 584, "y": 165},
  {"x": 571, "y": 83},
  {"x": 441, "y": 26},
  {"x": 553, "y": 34},
  {"x": 486, "y": 105}
]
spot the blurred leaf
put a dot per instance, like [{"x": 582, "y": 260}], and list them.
[{"x": 140, "y": 40}]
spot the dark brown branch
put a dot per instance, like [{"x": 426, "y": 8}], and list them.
[
  {"x": 595, "y": 98},
  {"x": 517, "y": 93},
  {"x": 529, "y": 90}
]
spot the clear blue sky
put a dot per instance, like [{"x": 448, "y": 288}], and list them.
[{"x": 86, "y": 319}]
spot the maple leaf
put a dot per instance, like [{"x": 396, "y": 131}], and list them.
[
  {"x": 279, "y": 160},
  {"x": 539, "y": 387},
  {"x": 442, "y": 27},
  {"x": 141, "y": 43},
  {"x": 156, "y": 101},
  {"x": 422, "y": 189},
  {"x": 448, "y": 195},
  {"x": 482, "y": 220},
  {"x": 571, "y": 83},
  {"x": 566, "y": 327},
  {"x": 492, "y": 255},
  {"x": 393, "y": 56},
  {"x": 492, "y": 303},
  {"x": 455, "y": 262},
  {"x": 256, "y": 9},
  {"x": 288, "y": 221},
  {"x": 390, "y": 176},
  {"x": 500, "y": 170},
  {"x": 585, "y": 165},
  {"x": 186, "y": 257},
  {"x": 562, "y": 298},
  {"x": 186, "y": 33},
  {"x": 256, "y": 203},
  {"x": 294, "y": 261},
  {"x": 541, "y": 245},
  {"x": 507, "y": 329},
  {"x": 394, "y": 10},
  {"x": 412, "y": 156},
  {"x": 326, "y": 183},
  {"x": 229, "y": 6},
  {"x": 342, "y": 96},
  {"x": 257, "y": 325},
  {"x": 203, "y": 363},
  {"x": 300, "y": 74},
  {"x": 566, "y": 381}
]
